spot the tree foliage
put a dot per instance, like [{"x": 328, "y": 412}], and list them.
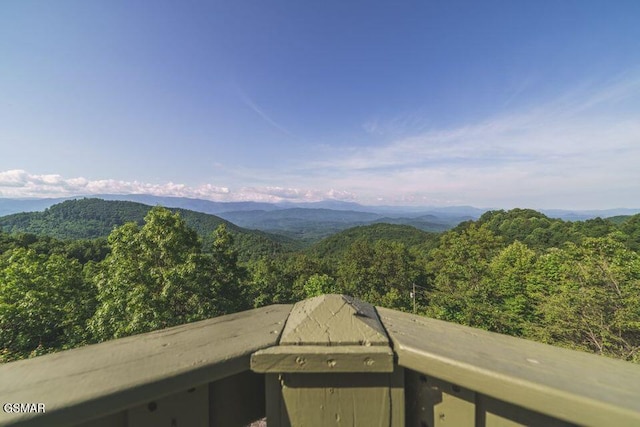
[
  {"x": 590, "y": 298},
  {"x": 44, "y": 303},
  {"x": 518, "y": 272},
  {"x": 96, "y": 218},
  {"x": 382, "y": 273},
  {"x": 510, "y": 278},
  {"x": 157, "y": 276},
  {"x": 460, "y": 265},
  {"x": 282, "y": 279}
]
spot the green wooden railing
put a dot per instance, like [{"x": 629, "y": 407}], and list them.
[{"x": 329, "y": 360}]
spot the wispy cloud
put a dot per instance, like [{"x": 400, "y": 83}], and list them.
[
  {"x": 260, "y": 112},
  {"x": 400, "y": 124},
  {"x": 279, "y": 194},
  {"x": 580, "y": 149}
]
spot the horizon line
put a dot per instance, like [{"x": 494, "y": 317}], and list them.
[{"x": 284, "y": 202}]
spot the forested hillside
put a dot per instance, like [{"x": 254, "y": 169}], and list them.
[
  {"x": 95, "y": 218},
  {"x": 312, "y": 224},
  {"x": 518, "y": 272},
  {"x": 334, "y": 247}
]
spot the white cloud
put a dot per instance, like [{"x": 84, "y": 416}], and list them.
[
  {"x": 13, "y": 178},
  {"x": 20, "y": 183}
]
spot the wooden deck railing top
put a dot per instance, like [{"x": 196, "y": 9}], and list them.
[{"x": 330, "y": 360}]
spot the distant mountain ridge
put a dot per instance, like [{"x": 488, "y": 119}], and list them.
[
  {"x": 444, "y": 214},
  {"x": 307, "y": 222},
  {"x": 312, "y": 224},
  {"x": 10, "y": 205},
  {"x": 93, "y": 218},
  {"x": 13, "y": 206}
]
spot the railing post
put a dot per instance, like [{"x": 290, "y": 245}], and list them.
[{"x": 333, "y": 366}]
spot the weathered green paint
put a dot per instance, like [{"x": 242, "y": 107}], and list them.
[
  {"x": 273, "y": 401},
  {"x": 318, "y": 400},
  {"x": 119, "y": 419},
  {"x": 237, "y": 400},
  {"x": 330, "y": 368},
  {"x": 492, "y": 412},
  {"x": 436, "y": 403},
  {"x": 333, "y": 320},
  {"x": 577, "y": 387},
  {"x": 330, "y": 359},
  {"x": 187, "y": 408},
  {"x": 95, "y": 381},
  {"x": 333, "y": 366}
]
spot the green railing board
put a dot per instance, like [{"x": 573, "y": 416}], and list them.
[
  {"x": 90, "y": 382},
  {"x": 237, "y": 400},
  {"x": 317, "y": 359},
  {"x": 492, "y": 412},
  {"x": 119, "y": 419},
  {"x": 577, "y": 387},
  {"x": 233, "y": 401},
  {"x": 446, "y": 374},
  {"x": 435, "y": 403},
  {"x": 186, "y": 408}
]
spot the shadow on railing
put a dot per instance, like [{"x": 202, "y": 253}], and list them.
[{"x": 329, "y": 360}]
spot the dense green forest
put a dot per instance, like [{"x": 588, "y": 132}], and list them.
[
  {"x": 518, "y": 272},
  {"x": 94, "y": 218}
]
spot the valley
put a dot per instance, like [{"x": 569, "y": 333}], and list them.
[{"x": 86, "y": 270}]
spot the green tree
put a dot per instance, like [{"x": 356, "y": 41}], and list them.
[
  {"x": 380, "y": 273},
  {"x": 227, "y": 276},
  {"x": 590, "y": 298},
  {"x": 510, "y": 278},
  {"x": 319, "y": 284},
  {"x": 282, "y": 279},
  {"x": 631, "y": 230},
  {"x": 528, "y": 226},
  {"x": 596, "y": 227},
  {"x": 269, "y": 284},
  {"x": 459, "y": 267},
  {"x": 157, "y": 276},
  {"x": 44, "y": 304}
]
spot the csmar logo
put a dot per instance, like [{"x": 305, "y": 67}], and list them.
[{"x": 23, "y": 407}]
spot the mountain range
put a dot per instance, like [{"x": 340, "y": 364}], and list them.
[
  {"x": 92, "y": 218},
  {"x": 96, "y": 218},
  {"x": 305, "y": 222},
  {"x": 310, "y": 222}
]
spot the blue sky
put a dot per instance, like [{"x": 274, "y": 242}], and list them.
[{"x": 493, "y": 104}]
